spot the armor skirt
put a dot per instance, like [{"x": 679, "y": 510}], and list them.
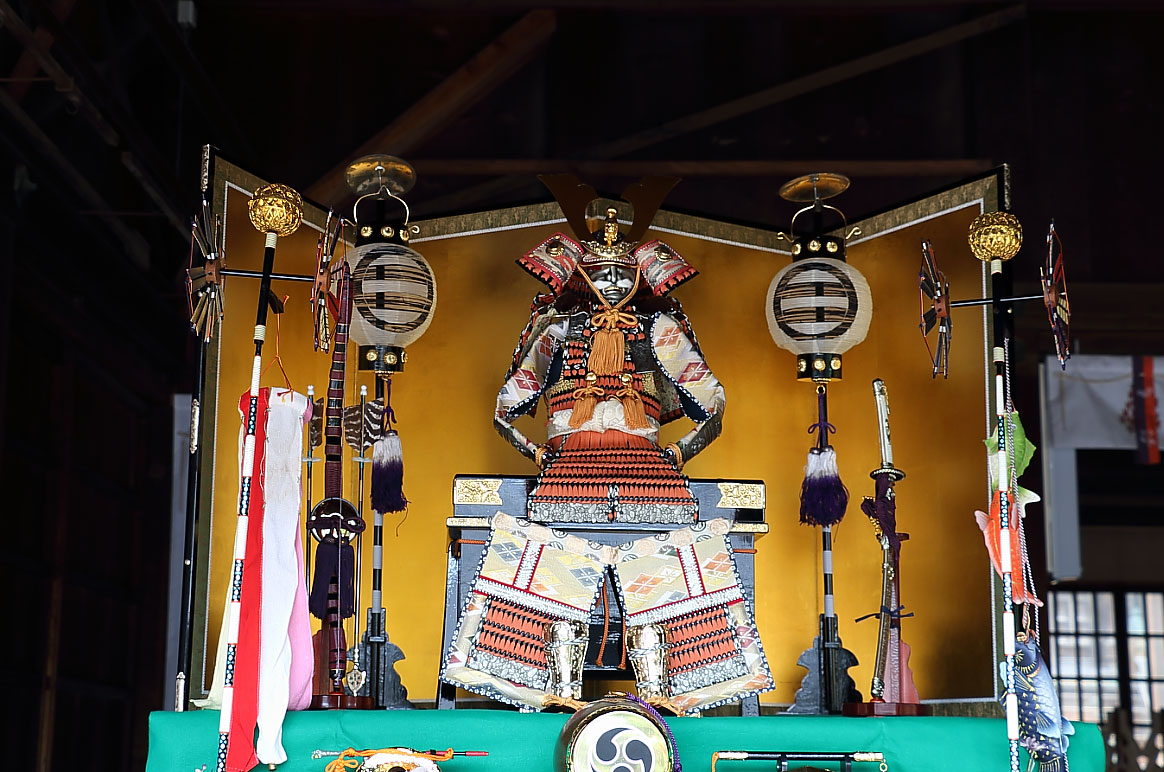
[{"x": 610, "y": 476}]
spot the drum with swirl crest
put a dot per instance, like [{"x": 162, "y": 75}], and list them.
[{"x": 615, "y": 734}]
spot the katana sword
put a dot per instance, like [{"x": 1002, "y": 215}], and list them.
[
  {"x": 782, "y": 758},
  {"x": 881, "y": 510}
]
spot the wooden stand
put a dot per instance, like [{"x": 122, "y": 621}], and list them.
[
  {"x": 866, "y": 709},
  {"x": 340, "y": 702}
]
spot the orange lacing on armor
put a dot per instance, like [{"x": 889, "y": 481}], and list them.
[
  {"x": 605, "y": 622},
  {"x": 457, "y": 545}
]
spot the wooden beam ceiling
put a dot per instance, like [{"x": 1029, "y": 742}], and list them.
[
  {"x": 815, "y": 81},
  {"x": 528, "y": 167},
  {"x": 736, "y": 108},
  {"x": 469, "y": 84},
  {"x": 27, "y": 66}
]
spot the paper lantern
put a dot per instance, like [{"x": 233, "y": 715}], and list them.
[
  {"x": 395, "y": 297},
  {"x": 818, "y": 308},
  {"x": 394, "y": 288}
]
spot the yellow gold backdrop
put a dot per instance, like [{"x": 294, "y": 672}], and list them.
[{"x": 444, "y": 401}]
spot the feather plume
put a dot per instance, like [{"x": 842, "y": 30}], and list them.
[
  {"x": 363, "y": 428},
  {"x": 388, "y": 474}
]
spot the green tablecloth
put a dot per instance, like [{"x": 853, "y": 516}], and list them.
[{"x": 183, "y": 742}]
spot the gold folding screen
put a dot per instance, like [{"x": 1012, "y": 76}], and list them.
[{"x": 444, "y": 401}]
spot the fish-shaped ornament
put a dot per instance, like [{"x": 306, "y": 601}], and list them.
[
  {"x": 1043, "y": 730},
  {"x": 991, "y": 526}
]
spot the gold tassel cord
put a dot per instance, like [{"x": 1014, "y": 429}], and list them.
[
  {"x": 352, "y": 759},
  {"x": 585, "y": 398},
  {"x": 607, "y": 349},
  {"x": 665, "y": 703},
  {"x": 632, "y": 407},
  {"x": 554, "y": 701}
]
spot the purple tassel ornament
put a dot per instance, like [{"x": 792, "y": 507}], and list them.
[
  {"x": 823, "y": 497},
  {"x": 388, "y": 474}
]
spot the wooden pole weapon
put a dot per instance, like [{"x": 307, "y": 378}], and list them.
[
  {"x": 995, "y": 238},
  {"x": 205, "y": 294},
  {"x": 275, "y": 210}
]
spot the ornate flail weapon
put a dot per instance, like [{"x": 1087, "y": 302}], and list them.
[
  {"x": 995, "y": 238},
  {"x": 935, "y": 303},
  {"x": 892, "y": 692}
]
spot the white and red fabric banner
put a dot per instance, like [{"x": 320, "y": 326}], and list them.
[{"x": 274, "y": 660}]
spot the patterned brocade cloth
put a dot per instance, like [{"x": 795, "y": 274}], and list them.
[{"x": 684, "y": 579}]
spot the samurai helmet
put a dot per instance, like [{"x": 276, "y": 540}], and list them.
[{"x": 556, "y": 259}]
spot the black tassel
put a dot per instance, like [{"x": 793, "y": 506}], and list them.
[{"x": 327, "y": 555}]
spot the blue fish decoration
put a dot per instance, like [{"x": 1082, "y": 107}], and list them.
[{"x": 1043, "y": 730}]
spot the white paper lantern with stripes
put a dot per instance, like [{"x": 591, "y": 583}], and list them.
[
  {"x": 818, "y": 308},
  {"x": 394, "y": 297}
]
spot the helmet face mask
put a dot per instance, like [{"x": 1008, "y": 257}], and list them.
[
  {"x": 613, "y": 282},
  {"x": 604, "y": 257}
]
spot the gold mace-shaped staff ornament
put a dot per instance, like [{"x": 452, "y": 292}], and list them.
[
  {"x": 275, "y": 210},
  {"x": 995, "y": 236}
]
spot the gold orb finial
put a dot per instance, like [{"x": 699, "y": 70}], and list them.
[
  {"x": 995, "y": 236},
  {"x": 277, "y": 209}
]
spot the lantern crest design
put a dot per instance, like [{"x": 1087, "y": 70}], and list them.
[{"x": 818, "y": 306}]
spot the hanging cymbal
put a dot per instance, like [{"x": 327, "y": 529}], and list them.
[
  {"x": 372, "y": 172},
  {"x": 806, "y": 189}
]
